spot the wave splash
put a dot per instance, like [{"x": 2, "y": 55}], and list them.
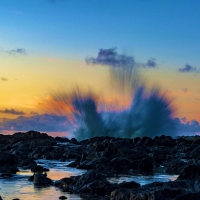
[{"x": 150, "y": 112}]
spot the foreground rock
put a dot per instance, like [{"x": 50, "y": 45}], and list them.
[
  {"x": 40, "y": 178},
  {"x": 158, "y": 191},
  {"x": 92, "y": 183},
  {"x": 105, "y": 156}
]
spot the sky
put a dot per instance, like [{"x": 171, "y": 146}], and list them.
[{"x": 44, "y": 45}]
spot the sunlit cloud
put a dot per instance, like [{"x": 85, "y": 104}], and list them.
[
  {"x": 12, "y": 111},
  {"x": 3, "y": 79},
  {"x": 33, "y": 113},
  {"x": 185, "y": 89}
]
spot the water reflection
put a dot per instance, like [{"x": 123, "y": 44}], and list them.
[
  {"x": 59, "y": 169},
  {"x": 18, "y": 186}
]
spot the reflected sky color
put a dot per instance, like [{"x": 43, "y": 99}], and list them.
[{"x": 20, "y": 187}]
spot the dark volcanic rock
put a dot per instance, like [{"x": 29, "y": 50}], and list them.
[
  {"x": 191, "y": 172},
  {"x": 188, "y": 196},
  {"x": 155, "y": 191},
  {"x": 41, "y": 179},
  {"x": 89, "y": 183}
]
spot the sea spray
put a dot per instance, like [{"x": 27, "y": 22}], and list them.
[{"x": 149, "y": 113}]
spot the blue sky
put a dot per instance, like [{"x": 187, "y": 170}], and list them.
[{"x": 168, "y": 30}]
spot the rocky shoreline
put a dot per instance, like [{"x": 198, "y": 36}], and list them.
[{"x": 105, "y": 157}]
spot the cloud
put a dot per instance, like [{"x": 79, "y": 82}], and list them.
[
  {"x": 18, "y": 51},
  {"x": 110, "y": 57},
  {"x": 3, "y": 79},
  {"x": 185, "y": 90},
  {"x": 44, "y": 123},
  {"x": 185, "y": 127},
  {"x": 151, "y": 63},
  {"x": 12, "y": 111},
  {"x": 188, "y": 68},
  {"x": 33, "y": 113}
]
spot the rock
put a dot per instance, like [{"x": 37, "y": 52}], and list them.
[
  {"x": 90, "y": 183},
  {"x": 147, "y": 165},
  {"x": 39, "y": 168},
  {"x": 41, "y": 179},
  {"x": 62, "y": 197},
  {"x": 129, "y": 185},
  {"x": 174, "y": 166},
  {"x": 31, "y": 178},
  {"x": 97, "y": 187},
  {"x": 191, "y": 172},
  {"x": 146, "y": 141},
  {"x": 120, "y": 165},
  {"x": 188, "y": 196}
]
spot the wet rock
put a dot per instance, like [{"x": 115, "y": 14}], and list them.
[
  {"x": 41, "y": 179},
  {"x": 147, "y": 165},
  {"x": 166, "y": 141},
  {"x": 188, "y": 196},
  {"x": 146, "y": 141},
  {"x": 120, "y": 165},
  {"x": 191, "y": 172},
  {"x": 91, "y": 183},
  {"x": 129, "y": 185},
  {"x": 38, "y": 168},
  {"x": 174, "y": 166},
  {"x": 62, "y": 197}
]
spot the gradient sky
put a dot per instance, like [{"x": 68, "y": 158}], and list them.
[{"x": 44, "y": 43}]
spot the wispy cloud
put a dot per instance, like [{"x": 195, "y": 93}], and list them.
[
  {"x": 185, "y": 89},
  {"x": 3, "y": 79},
  {"x": 151, "y": 63},
  {"x": 12, "y": 111},
  {"x": 33, "y": 113},
  {"x": 188, "y": 68},
  {"x": 110, "y": 57},
  {"x": 18, "y": 51}
]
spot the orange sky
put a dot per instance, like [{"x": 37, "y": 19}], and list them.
[{"x": 27, "y": 81}]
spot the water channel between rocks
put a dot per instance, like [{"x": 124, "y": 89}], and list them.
[{"x": 18, "y": 186}]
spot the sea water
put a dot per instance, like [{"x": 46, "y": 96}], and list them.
[{"x": 18, "y": 186}]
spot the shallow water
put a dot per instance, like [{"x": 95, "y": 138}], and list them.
[
  {"x": 143, "y": 180},
  {"x": 18, "y": 186}
]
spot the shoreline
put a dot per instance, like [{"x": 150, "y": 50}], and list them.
[{"x": 103, "y": 157}]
